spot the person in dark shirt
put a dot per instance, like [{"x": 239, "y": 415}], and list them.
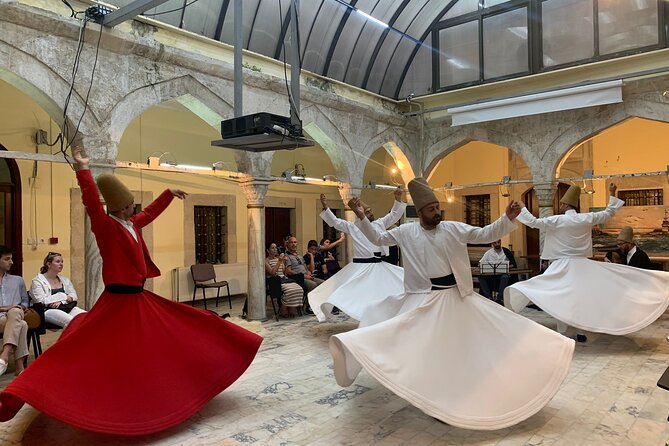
[
  {"x": 630, "y": 253},
  {"x": 315, "y": 261}
]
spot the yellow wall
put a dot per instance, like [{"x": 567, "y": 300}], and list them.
[
  {"x": 631, "y": 147},
  {"x": 51, "y": 186}
]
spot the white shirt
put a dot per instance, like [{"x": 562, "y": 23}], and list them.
[
  {"x": 630, "y": 254},
  {"x": 569, "y": 235},
  {"x": 127, "y": 225},
  {"x": 494, "y": 258},
  {"x": 362, "y": 247},
  {"x": 438, "y": 252}
]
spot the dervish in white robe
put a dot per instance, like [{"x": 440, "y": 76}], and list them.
[
  {"x": 452, "y": 353},
  {"x": 363, "y": 285},
  {"x": 587, "y": 294}
]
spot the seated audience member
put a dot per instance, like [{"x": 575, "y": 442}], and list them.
[
  {"x": 297, "y": 270},
  {"x": 329, "y": 251},
  {"x": 328, "y": 246},
  {"x": 55, "y": 292},
  {"x": 283, "y": 249},
  {"x": 291, "y": 293},
  {"x": 13, "y": 304},
  {"x": 630, "y": 253},
  {"x": 315, "y": 261},
  {"x": 497, "y": 255}
]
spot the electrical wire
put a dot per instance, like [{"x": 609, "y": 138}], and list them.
[
  {"x": 291, "y": 101},
  {"x": 171, "y": 10},
  {"x": 90, "y": 86}
]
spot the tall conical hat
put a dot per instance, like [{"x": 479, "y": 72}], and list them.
[
  {"x": 116, "y": 195},
  {"x": 626, "y": 234},
  {"x": 571, "y": 196},
  {"x": 421, "y": 193}
]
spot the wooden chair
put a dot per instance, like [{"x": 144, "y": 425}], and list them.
[{"x": 204, "y": 277}]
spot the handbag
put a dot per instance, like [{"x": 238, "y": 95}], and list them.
[
  {"x": 32, "y": 318},
  {"x": 67, "y": 307}
]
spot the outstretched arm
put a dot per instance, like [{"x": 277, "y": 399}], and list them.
[
  {"x": 395, "y": 213},
  {"x": 339, "y": 241},
  {"x": 89, "y": 190},
  {"x": 613, "y": 206},
  {"x": 332, "y": 220},
  {"x": 152, "y": 211},
  {"x": 375, "y": 233}
]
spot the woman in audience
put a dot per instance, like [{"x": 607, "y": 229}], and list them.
[
  {"x": 55, "y": 292},
  {"x": 292, "y": 293}
]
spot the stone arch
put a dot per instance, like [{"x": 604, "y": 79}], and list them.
[
  {"x": 322, "y": 130},
  {"x": 186, "y": 89},
  {"x": 393, "y": 143},
  {"x": 460, "y": 137},
  {"x": 46, "y": 87},
  {"x": 585, "y": 129}
]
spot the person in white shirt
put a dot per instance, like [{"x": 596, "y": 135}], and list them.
[
  {"x": 589, "y": 295},
  {"x": 450, "y": 352},
  {"x": 495, "y": 257},
  {"x": 55, "y": 292},
  {"x": 381, "y": 280}
]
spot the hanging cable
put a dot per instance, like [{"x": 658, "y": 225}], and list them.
[{"x": 285, "y": 69}]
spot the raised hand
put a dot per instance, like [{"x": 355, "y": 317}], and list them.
[
  {"x": 324, "y": 201},
  {"x": 513, "y": 210},
  {"x": 398, "y": 193},
  {"x": 356, "y": 206},
  {"x": 612, "y": 189},
  {"x": 178, "y": 193},
  {"x": 79, "y": 158}
]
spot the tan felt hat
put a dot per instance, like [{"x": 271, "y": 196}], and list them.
[
  {"x": 571, "y": 196},
  {"x": 421, "y": 193},
  {"x": 116, "y": 194}
]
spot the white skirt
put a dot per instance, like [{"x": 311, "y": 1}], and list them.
[
  {"x": 595, "y": 296},
  {"x": 356, "y": 289},
  {"x": 466, "y": 361}
]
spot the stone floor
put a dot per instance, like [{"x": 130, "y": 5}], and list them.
[{"x": 289, "y": 397}]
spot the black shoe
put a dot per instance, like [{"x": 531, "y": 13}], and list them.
[
  {"x": 581, "y": 338},
  {"x": 309, "y": 310}
]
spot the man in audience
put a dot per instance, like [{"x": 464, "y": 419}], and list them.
[
  {"x": 13, "y": 303},
  {"x": 296, "y": 268},
  {"x": 499, "y": 260},
  {"x": 630, "y": 253}
]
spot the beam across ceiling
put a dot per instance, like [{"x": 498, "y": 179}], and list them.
[{"x": 129, "y": 11}]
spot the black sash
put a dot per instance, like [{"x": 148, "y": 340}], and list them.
[
  {"x": 368, "y": 260},
  {"x": 439, "y": 283},
  {"x": 378, "y": 254},
  {"x": 119, "y": 288}
]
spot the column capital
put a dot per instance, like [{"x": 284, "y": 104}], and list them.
[
  {"x": 545, "y": 193},
  {"x": 255, "y": 191},
  {"x": 346, "y": 192}
]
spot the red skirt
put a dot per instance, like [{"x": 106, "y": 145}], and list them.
[{"x": 133, "y": 365}]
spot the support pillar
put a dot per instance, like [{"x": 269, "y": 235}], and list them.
[
  {"x": 347, "y": 192},
  {"x": 545, "y": 193},
  {"x": 97, "y": 150},
  {"x": 255, "y": 191}
]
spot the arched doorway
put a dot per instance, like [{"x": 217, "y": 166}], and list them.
[
  {"x": 10, "y": 210},
  {"x": 532, "y": 243}
]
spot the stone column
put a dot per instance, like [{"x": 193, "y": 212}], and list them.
[
  {"x": 97, "y": 150},
  {"x": 347, "y": 192},
  {"x": 545, "y": 193},
  {"x": 255, "y": 191}
]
